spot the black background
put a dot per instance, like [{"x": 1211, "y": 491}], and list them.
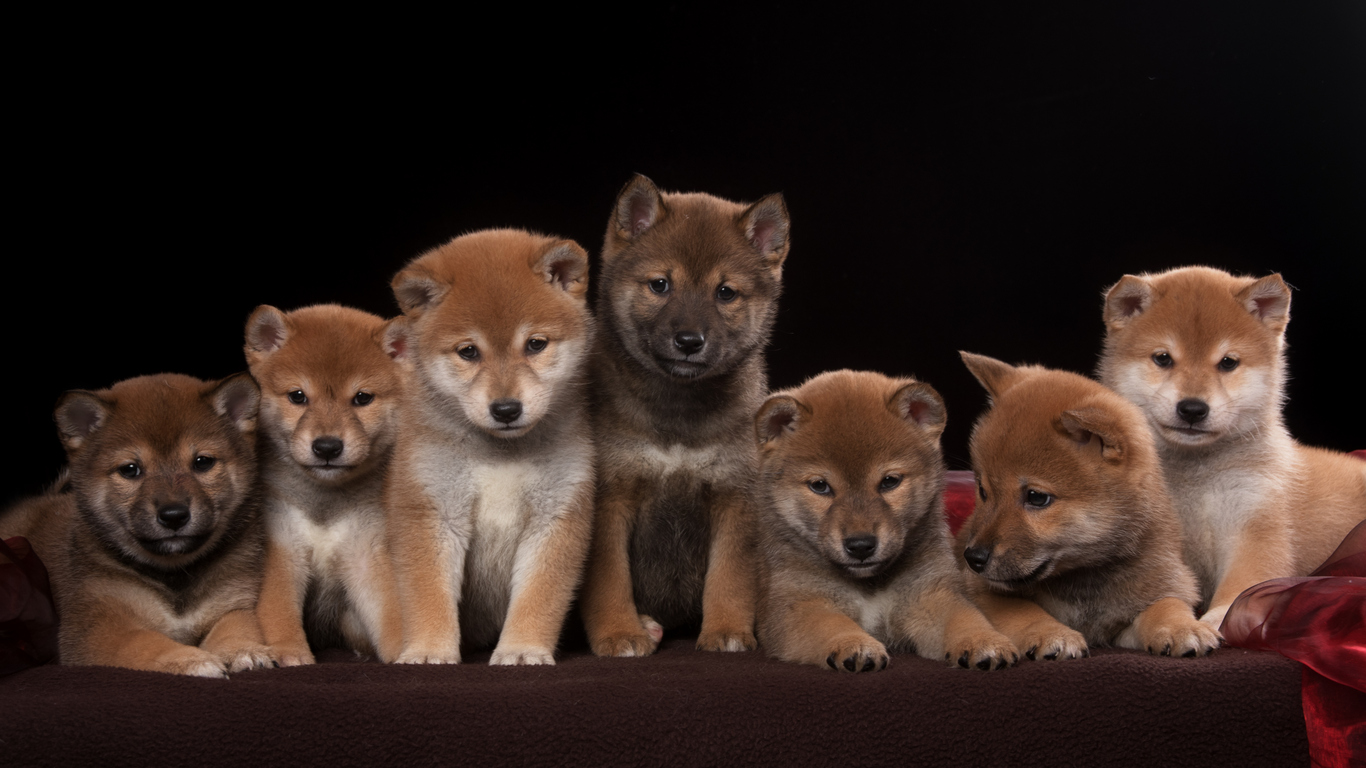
[{"x": 960, "y": 176}]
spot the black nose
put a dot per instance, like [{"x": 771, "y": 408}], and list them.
[
  {"x": 977, "y": 557},
  {"x": 173, "y": 516},
  {"x": 689, "y": 342},
  {"x": 505, "y": 410},
  {"x": 328, "y": 448},
  {"x": 1192, "y": 410},
  {"x": 860, "y": 547}
]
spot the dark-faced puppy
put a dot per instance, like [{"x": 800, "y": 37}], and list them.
[
  {"x": 1074, "y": 539},
  {"x": 687, "y": 298},
  {"x": 156, "y": 552},
  {"x": 852, "y": 531}
]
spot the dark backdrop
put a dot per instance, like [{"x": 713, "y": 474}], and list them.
[{"x": 960, "y": 176}]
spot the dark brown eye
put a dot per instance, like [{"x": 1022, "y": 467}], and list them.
[
  {"x": 819, "y": 487},
  {"x": 468, "y": 352},
  {"x": 362, "y": 398},
  {"x": 1228, "y": 363},
  {"x": 297, "y": 397},
  {"x": 204, "y": 463},
  {"x": 130, "y": 471},
  {"x": 535, "y": 345},
  {"x": 888, "y": 483},
  {"x": 660, "y": 285},
  {"x": 1163, "y": 360},
  {"x": 1037, "y": 499},
  {"x": 726, "y": 293}
]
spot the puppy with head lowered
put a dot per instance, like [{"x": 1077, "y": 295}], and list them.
[
  {"x": 490, "y": 498},
  {"x": 687, "y": 297},
  {"x": 329, "y": 422},
  {"x": 852, "y": 532},
  {"x": 1201, "y": 353},
  {"x": 1074, "y": 539},
  {"x": 155, "y": 549}
]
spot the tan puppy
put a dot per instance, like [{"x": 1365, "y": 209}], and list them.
[
  {"x": 329, "y": 421},
  {"x": 688, "y": 294},
  {"x": 1201, "y": 352},
  {"x": 1073, "y": 522},
  {"x": 490, "y": 499},
  {"x": 155, "y": 549},
  {"x": 852, "y": 531}
]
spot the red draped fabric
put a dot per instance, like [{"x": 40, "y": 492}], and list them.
[{"x": 28, "y": 623}]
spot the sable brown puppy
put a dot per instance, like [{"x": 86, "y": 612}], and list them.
[
  {"x": 1073, "y": 522},
  {"x": 1201, "y": 352},
  {"x": 688, "y": 295},
  {"x": 329, "y": 421},
  {"x": 852, "y": 530},
  {"x": 490, "y": 498},
  {"x": 155, "y": 550}
]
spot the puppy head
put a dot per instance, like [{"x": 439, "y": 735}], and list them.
[
  {"x": 162, "y": 466},
  {"x": 850, "y": 463},
  {"x": 691, "y": 280},
  {"x": 498, "y": 323},
  {"x": 1199, "y": 350},
  {"x": 330, "y": 390},
  {"x": 1066, "y": 471}
]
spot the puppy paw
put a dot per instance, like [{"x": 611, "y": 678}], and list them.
[
  {"x": 984, "y": 651},
  {"x": 1187, "y": 638},
  {"x": 1214, "y": 617},
  {"x": 192, "y": 661},
  {"x": 723, "y": 640},
  {"x": 630, "y": 641},
  {"x": 428, "y": 656},
  {"x": 519, "y": 656},
  {"x": 248, "y": 657},
  {"x": 1052, "y": 642},
  {"x": 857, "y": 653},
  {"x": 292, "y": 655}
]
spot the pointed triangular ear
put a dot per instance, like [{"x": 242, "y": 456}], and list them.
[
  {"x": 267, "y": 331},
  {"x": 1092, "y": 428},
  {"x": 565, "y": 266},
  {"x": 766, "y": 227},
  {"x": 917, "y": 402},
  {"x": 79, "y": 414},
  {"x": 237, "y": 398},
  {"x": 778, "y": 416},
  {"x": 1268, "y": 300},
  {"x": 1125, "y": 300},
  {"x": 995, "y": 376},
  {"x": 416, "y": 290},
  {"x": 639, "y": 207},
  {"x": 395, "y": 339}
]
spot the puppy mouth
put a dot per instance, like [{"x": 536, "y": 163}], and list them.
[
  {"x": 1188, "y": 432},
  {"x": 173, "y": 545},
  {"x": 681, "y": 369},
  {"x": 1022, "y": 581},
  {"x": 863, "y": 569}
]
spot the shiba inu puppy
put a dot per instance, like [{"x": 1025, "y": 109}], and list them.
[
  {"x": 329, "y": 421},
  {"x": 490, "y": 497},
  {"x": 1073, "y": 524},
  {"x": 1201, "y": 353},
  {"x": 687, "y": 298},
  {"x": 155, "y": 551},
  {"x": 852, "y": 530}
]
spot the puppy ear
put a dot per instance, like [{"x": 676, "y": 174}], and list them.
[
  {"x": 1268, "y": 300},
  {"x": 417, "y": 291},
  {"x": 267, "y": 331},
  {"x": 1125, "y": 300},
  {"x": 237, "y": 398},
  {"x": 639, "y": 207},
  {"x": 778, "y": 416},
  {"x": 565, "y": 265},
  {"x": 79, "y": 414},
  {"x": 766, "y": 226},
  {"x": 918, "y": 402},
  {"x": 395, "y": 339},
  {"x": 1092, "y": 428},
  {"x": 995, "y": 376}
]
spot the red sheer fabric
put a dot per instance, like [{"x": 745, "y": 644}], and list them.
[
  {"x": 28, "y": 623},
  {"x": 960, "y": 497}
]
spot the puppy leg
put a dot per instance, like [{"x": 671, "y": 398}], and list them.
[
  {"x": 941, "y": 621},
  {"x": 113, "y": 637},
  {"x": 1031, "y": 627},
  {"x": 730, "y": 589},
  {"x": 280, "y": 607},
  {"x": 1169, "y": 627},
  {"x": 1263, "y": 552},
  {"x": 373, "y": 592},
  {"x": 614, "y": 626},
  {"x": 236, "y": 639},
  {"x": 429, "y": 567},
  {"x": 815, "y": 631},
  {"x": 548, "y": 567}
]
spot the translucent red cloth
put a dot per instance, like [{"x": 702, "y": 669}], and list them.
[
  {"x": 28, "y": 623},
  {"x": 960, "y": 497}
]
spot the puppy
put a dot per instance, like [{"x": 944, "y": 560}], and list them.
[
  {"x": 155, "y": 550},
  {"x": 688, "y": 295},
  {"x": 490, "y": 497},
  {"x": 852, "y": 530},
  {"x": 329, "y": 421},
  {"x": 1201, "y": 353},
  {"x": 1073, "y": 525}
]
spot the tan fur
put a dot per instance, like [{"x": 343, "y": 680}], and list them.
[
  {"x": 155, "y": 547},
  {"x": 677, "y": 374},
  {"x": 1074, "y": 539},
  {"x": 490, "y": 512},
  {"x": 1255, "y": 504},
  {"x": 852, "y": 531},
  {"x": 329, "y": 422}
]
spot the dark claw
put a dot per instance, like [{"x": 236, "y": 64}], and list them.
[
  {"x": 1001, "y": 663},
  {"x": 849, "y": 663},
  {"x": 830, "y": 660},
  {"x": 884, "y": 663},
  {"x": 948, "y": 655},
  {"x": 1086, "y": 653},
  {"x": 1167, "y": 650},
  {"x": 963, "y": 660},
  {"x": 984, "y": 664},
  {"x": 1051, "y": 656},
  {"x": 868, "y": 664},
  {"x": 1029, "y": 654},
  {"x": 1189, "y": 654}
]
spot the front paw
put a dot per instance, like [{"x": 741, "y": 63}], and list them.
[
  {"x": 191, "y": 661},
  {"x": 1053, "y": 641},
  {"x": 253, "y": 656},
  {"x": 856, "y": 653},
  {"x": 292, "y": 654},
  {"x": 511, "y": 656},
  {"x": 630, "y": 641},
  {"x": 982, "y": 650},
  {"x": 1214, "y": 617},
  {"x": 429, "y": 656},
  {"x": 726, "y": 640},
  {"x": 1185, "y": 637}
]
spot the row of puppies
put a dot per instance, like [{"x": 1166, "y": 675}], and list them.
[{"x": 489, "y": 493}]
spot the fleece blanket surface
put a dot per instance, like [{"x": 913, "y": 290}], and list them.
[{"x": 678, "y": 707}]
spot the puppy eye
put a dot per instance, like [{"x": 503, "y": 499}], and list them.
[
  {"x": 204, "y": 463},
  {"x": 468, "y": 352},
  {"x": 726, "y": 293},
  {"x": 536, "y": 344},
  {"x": 362, "y": 398},
  {"x": 130, "y": 471},
  {"x": 820, "y": 487},
  {"x": 1037, "y": 499},
  {"x": 888, "y": 483},
  {"x": 660, "y": 285},
  {"x": 1163, "y": 360},
  {"x": 1228, "y": 363},
  {"x": 297, "y": 397}
]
